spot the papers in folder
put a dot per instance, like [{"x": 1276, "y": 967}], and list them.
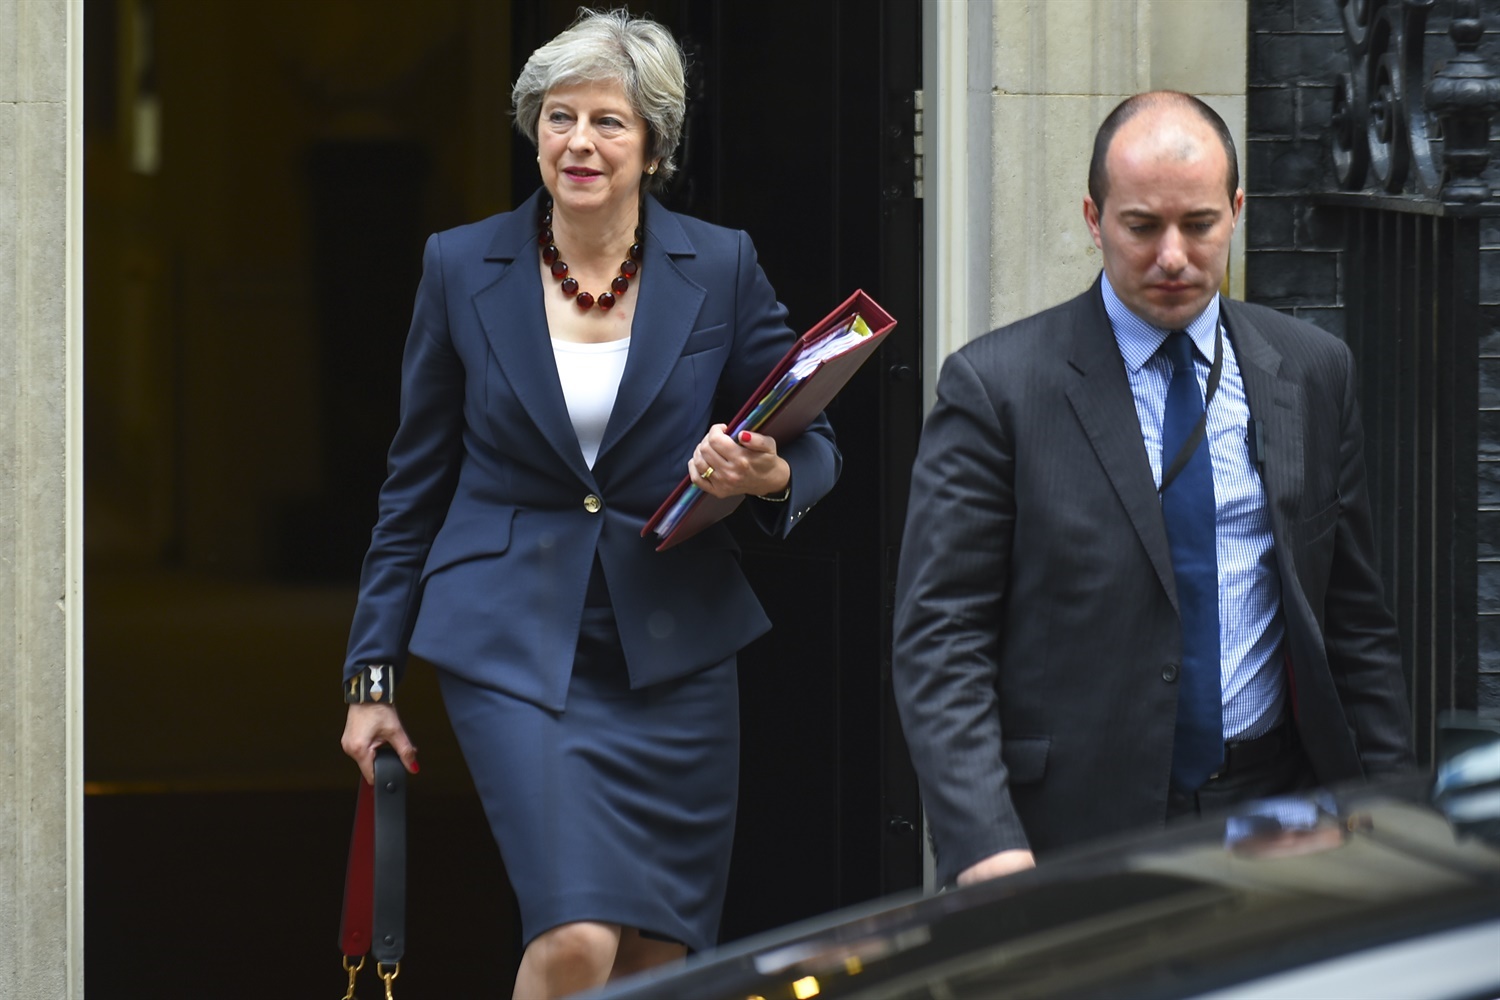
[
  {"x": 794, "y": 393},
  {"x": 808, "y": 361}
]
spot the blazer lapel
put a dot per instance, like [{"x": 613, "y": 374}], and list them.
[
  {"x": 515, "y": 323},
  {"x": 1275, "y": 404},
  {"x": 1105, "y": 407},
  {"x": 665, "y": 314}
]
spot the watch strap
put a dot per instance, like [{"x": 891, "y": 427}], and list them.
[{"x": 375, "y": 684}]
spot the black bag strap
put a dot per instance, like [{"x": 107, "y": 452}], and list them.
[
  {"x": 374, "y": 913},
  {"x": 388, "y": 940}
]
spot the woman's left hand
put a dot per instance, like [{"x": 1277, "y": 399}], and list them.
[{"x": 725, "y": 467}]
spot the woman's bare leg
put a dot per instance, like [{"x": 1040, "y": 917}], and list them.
[
  {"x": 567, "y": 959},
  {"x": 637, "y": 953}
]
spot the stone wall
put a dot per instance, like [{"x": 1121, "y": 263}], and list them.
[
  {"x": 1292, "y": 244},
  {"x": 1047, "y": 96},
  {"x": 1013, "y": 93},
  {"x": 40, "y": 798}
]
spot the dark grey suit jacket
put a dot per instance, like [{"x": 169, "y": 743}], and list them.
[{"x": 1037, "y": 634}]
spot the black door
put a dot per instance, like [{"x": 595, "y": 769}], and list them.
[{"x": 800, "y": 132}]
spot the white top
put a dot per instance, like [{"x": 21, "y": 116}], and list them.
[{"x": 590, "y": 375}]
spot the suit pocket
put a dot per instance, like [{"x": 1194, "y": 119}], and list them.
[
  {"x": 1322, "y": 522},
  {"x": 706, "y": 339},
  {"x": 484, "y": 531},
  {"x": 1026, "y": 758}
]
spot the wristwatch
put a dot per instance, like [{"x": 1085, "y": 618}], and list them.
[{"x": 375, "y": 684}]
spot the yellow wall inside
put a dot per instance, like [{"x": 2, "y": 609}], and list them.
[{"x": 204, "y": 378}]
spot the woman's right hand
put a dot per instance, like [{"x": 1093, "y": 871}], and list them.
[{"x": 368, "y": 727}]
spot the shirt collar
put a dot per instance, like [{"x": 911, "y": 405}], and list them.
[{"x": 1139, "y": 340}]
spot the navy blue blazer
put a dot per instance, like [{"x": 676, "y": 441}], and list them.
[{"x": 490, "y": 519}]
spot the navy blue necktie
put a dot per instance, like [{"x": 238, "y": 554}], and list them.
[{"x": 1187, "y": 505}]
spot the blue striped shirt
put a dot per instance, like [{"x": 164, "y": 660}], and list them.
[{"x": 1250, "y": 622}]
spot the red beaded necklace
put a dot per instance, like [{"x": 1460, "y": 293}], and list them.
[{"x": 618, "y": 286}]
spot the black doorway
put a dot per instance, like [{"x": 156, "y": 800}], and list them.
[
  {"x": 805, "y": 140},
  {"x": 222, "y": 869}
]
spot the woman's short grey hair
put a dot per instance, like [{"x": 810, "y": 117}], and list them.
[{"x": 601, "y": 46}]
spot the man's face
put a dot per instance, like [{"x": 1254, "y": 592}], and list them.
[{"x": 1167, "y": 216}]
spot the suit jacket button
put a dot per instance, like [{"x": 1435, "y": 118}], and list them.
[
  {"x": 592, "y": 504},
  {"x": 1169, "y": 673}
]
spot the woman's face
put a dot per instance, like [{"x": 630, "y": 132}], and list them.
[{"x": 592, "y": 148}]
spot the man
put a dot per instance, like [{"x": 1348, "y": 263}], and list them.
[{"x": 1115, "y": 607}]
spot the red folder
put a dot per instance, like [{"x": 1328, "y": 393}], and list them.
[{"x": 796, "y": 411}]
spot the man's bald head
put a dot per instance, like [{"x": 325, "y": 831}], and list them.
[{"x": 1163, "y": 104}]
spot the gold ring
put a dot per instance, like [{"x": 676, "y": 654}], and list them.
[{"x": 706, "y": 474}]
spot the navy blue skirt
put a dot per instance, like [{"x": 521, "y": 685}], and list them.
[{"x": 618, "y": 809}]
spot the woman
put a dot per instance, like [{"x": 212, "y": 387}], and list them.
[{"x": 562, "y": 364}]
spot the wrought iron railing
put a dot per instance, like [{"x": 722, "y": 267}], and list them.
[
  {"x": 1397, "y": 130},
  {"x": 1411, "y": 149}
]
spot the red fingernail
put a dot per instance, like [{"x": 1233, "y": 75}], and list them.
[
  {"x": 744, "y": 437},
  {"x": 415, "y": 767}
]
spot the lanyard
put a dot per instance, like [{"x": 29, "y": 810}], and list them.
[{"x": 1189, "y": 446}]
